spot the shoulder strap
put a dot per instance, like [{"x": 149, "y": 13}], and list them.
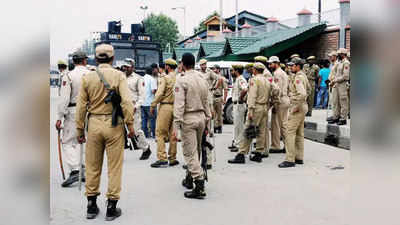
[{"x": 101, "y": 76}]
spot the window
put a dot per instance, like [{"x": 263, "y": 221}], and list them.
[
  {"x": 213, "y": 27},
  {"x": 121, "y": 53},
  {"x": 147, "y": 57}
]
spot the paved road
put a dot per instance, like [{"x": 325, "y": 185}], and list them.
[{"x": 311, "y": 194}]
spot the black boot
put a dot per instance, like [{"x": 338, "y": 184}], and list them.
[
  {"x": 330, "y": 118},
  {"x": 342, "y": 122},
  {"x": 159, "y": 164},
  {"x": 257, "y": 157},
  {"x": 308, "y": 114},
  {"x": 286, "y": 164},
  {"x": 146, "y": 154},
  {"x": 184, "y": 166},
  {"x": 73, "y": 177},
  {"x": 92, "y": 209},
  {"x": 333, "y": 121},
  {"x": 299, "y": 161},
  {"x": 232, "y": 146},
  {"x": 239, "y": 159},
  {"x": 276, "y": 151},
  {"x": 188, "y": 181},
  {"x": 198, "y": 191},
  {"x": 112, "y": 210},
  {"x": 173, "y": 162},
  {"x": 235, "y": 149},
  {"x": 220, "y": 130}
]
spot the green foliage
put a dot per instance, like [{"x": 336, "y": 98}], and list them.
[
  {"x": 162, "y": 28},
  {"x": 201, "y": 25}
]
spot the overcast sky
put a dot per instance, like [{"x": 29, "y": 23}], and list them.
[{"x": 72, "y": 21}]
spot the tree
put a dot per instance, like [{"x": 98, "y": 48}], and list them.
[
  {"x": 162, "y": 28},
  {"x": 201, "y": 24}
]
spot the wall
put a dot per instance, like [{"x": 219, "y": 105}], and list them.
[{"x": 319, "y": 45}]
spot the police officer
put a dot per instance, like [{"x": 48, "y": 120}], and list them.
[
  {"x": 249, "y": 69},
  {"x": 333, "y": 99},
  {"x": 70, "y": 86},
  {"x": 164, "y": 128},
  {"x": 220, "y": 91},
  {"x": 312, "y": 75},
  {"x": 280, "y": 110},
  {"x": 62, "y": 68},
  {"x": 136, "y": 88},
  {"x": 211, "y": 79},
  {"x": 340, "y": 84},
  {"x": 239, "y": 105},
  {"x": 102, "y": 135},
  {"x": 294, "y": 140},
  {"x": 259, "y": 94},
  {"x": 264, "y": 61},
  {"x": 267, "y": 74},
  {"x": 191, "y": 113}
]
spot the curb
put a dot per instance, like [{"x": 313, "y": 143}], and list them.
[{"x": 338, "y": 136}]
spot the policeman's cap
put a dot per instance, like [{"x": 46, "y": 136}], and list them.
[
  {"x": 297, "y": 61},
  {"x": 259, "y": 66},
  {"x": 216, "y": 66},
  {"x": 261, "y": 58},
  {"x": 79, "y": 55},
  {"x": 130, "y": 60},
  {"x": 311, "y": 58},
  {"x": 342, "y": 51},
  {"x": 249, "y": 65},
  {"x": 274, "y": 59},
  {"x": 202, "y": 61},
  {"x": 237, "y": 66},
  {"x": 294, "y": 56},
  {"x": 61, "y": 62},
  {"x": 104, "y": 51},
  {"x": 171, "y": 62}
]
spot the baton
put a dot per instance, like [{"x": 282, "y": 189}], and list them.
[
  {"x": 60, "y": 154},
  {"x": 214, "y": 153},
  {"x": 80, "y": 168}
]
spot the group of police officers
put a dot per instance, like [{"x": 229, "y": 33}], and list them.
[{"x": 189, "y": 106}]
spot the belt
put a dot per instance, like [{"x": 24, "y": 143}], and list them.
[
  {"x": 260, "y": 103},
  {"x": 71, "y": 104},
  {"x": 237, "y": 102},
  {"x": 217, "y": 96},
  {"x": 169, "y": 103}
]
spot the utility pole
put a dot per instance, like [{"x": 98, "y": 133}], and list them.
[
  {"x": 319, "y": 11},
  {"x": 237, "y": 19},
  {"x": 184, "y": 19},
  {"x": 220, "y": 17}
]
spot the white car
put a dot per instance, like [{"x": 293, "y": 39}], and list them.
[{"x": 225, "y": 70}]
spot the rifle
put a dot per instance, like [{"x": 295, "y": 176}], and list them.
[
  {"x": 60, "y": 155},
  {"x": 114, "y": 98}
]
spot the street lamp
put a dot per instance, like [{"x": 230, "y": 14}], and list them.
[
  {"x": 144, "y": 8},
  {"x": 184, "y": 19}
]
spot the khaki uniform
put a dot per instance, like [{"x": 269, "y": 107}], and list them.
[
  {"x": 333, "y": 97},
  {"x": 136, "y": 86},
  {"x": 191, "y": 110},
  {"x": 341, "y": 85},
  {"x": 294, "y": 141},
  {"x": 312, "y": 74},
  {"x": 218, "y": 99},
  {"x": 211, "y": 79},
  {"x": 101, "y": 135},
  {"x": 259, "y": 94},
  {"x": 164, "y": 128},
  {"x": 70, "y": 86},
  {"x": 275, "y": 87},
  {"x": 239, "y": 108},
  {"x": 279, "y": 115}
]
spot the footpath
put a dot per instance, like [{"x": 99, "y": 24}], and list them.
[{"x": 317, "y": 129}]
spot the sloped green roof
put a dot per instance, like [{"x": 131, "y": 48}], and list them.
[
  {"x": 280, "y": 36},
  {"x": 178, "y": 52},
  {"x": 234, "y": 45},
  {"x": 268, "y": 43},
  {"x": 211, "y": 47}
]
